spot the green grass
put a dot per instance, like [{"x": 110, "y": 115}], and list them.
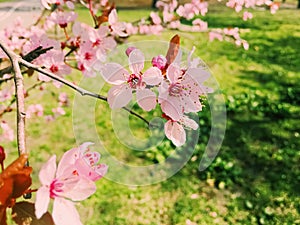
[{"x": 255, "y": 178}]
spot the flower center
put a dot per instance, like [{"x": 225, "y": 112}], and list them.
[
  {"x": 134, "y": 81},
  {"x": 54, "y": 69},
  {"x": 175, "y": 89},
  {"x": 55, "y": 188}
]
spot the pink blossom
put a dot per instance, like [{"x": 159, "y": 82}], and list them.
[
  {"x": 118, "y": 28},
  {"x": 180, "y": 92},
  {"x": 155, "y": 18},
  {"x": 126, "y": 82},
  {"x": 62, "y": 18},
  {"x": 187, "y": 11},
  {"x": 59, "y": 111},
  {"x": 85, "y": 161},
  {"x": 36, "y": 109},
  {"x": 64, "y": 186},
  {"x": 102, "y": 42},
  {"x": 86, "y": 58},
  {"x": 247, "y": 15},
  {"x": 131, "y": 29},
  {"x": 159, "y": 61},
  {"x": 167, "y": 17},
  {"x": 7, "y": 132},
  {"x": 46, "y": 3},
  {"x": 174, "y": 24},
  {"x": 199, "y": 25},
  {"x": 174, "y": 130},
  {"x": 63, "y": 99},
  {"x": 5, "y": 94}
]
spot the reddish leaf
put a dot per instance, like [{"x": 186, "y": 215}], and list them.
[
  {"x": 173, "y": 50},
  {"x": 23, "y": 213},
  {"x": 14, "y": 182},
  {"x": 105, "y": 13}
]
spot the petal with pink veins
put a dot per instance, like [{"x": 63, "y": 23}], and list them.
[
  {"x": 119, "y": 96},
  {"x": 136, "y": 61},
  {"x": 65, "y": 213},
  {"x": 171, "y": 108},
  {"x": 152, "y": 76},
  {"x": 197, "y": 74},
  {"x": 114, "y": 73},
  {"x": 146, "y": 99}
]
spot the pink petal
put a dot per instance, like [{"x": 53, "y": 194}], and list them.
[
  {"x": 78, "y": 188},
  {"x": 89, "y": 172},
  {"x": 173, "y": 73},
  {"x": 146, "y": 99},
  {"x": 113, "y": 17},
  {"x": 68, "y": 160},
  {"x": 119, "y": 96},
  {"x": 175, "y": 132},
  {"x": 47, "y": 172},
  {"x": 171, "y": 108},
  {"x": 114, "y": 73},
  {"x": 65, "y": 213},
  {"x": 189, "y": 123},
  {"x": 136, "y": 61},
  {"x": 197, "y": 74},
  {"x": 152, "y": 76},
  {"x": 42, "y": 201}
]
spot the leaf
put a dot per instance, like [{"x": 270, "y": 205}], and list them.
[
  {"x": 173, "y": 50},
  {"x": 23, "y": 214}
]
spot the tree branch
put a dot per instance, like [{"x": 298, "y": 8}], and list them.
[{"x": 18, "y": 78}]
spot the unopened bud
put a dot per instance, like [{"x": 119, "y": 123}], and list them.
[
  {"x": 2, "y": 157},
  {"x": 129, "y": 50},
  {"x": 159, "y": 61}
]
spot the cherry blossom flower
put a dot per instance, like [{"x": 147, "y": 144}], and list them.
[
  {"x": 36, "y": 109},
  {"x": 86, "y": 58},
  {"x": 247, "y": 15},
  {"x": 62, "y": 18},
  {"x": 5, "y": 94},
  {"x": 181, "y": 90},
  {"x": 118, "y": 28},
  {"x": 85, "y": 162},
  {"x": 155, "y": 18},
  {"x": 174, "y": 130},
  {"x": 72, "y": 180},
  {"x": 59, "y": 111},
  {"x": 7, "y": 132},
  {"x": 63, "y": 186},
  {"x": 126, "y": 82},
  {"x": 63, "y": 99},
  {"x": 199, "y": 25}
]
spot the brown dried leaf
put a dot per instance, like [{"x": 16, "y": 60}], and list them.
[
  {"x": 173, "y": 50},
  {"x": 23, "y": 213}
]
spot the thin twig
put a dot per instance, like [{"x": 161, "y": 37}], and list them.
[{"x": 80, "y": 90}]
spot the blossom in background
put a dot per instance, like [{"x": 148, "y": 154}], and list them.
[
  {"x": 66, "y": 183},
  {"x": 125, "y": 82},
  {"x": 247, "y": 15},
  {"x": 7, "y": 132},
  {"x": 36, "y": 109},
  {"x": 62, "y": 18},
  {"x": 199, "y": 25},
  {"x": 118, "y": 28},
  {"x": 174, "y": 130}
]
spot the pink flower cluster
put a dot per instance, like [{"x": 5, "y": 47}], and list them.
[
  {"x": 179, "y": 89},
  {"x": 71, "y": 181},
  {"x": 7, "y": 132},
  {"x": 238, "y": 5}
]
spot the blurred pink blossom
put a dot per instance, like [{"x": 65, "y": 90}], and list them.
[
  {"x": 7, "y": 132},
  {"x": 62, "y": 18},
  {"x": 247, "y": 15},
  {"x": 36, "y": 110},
  {"x": 118, "y": 28}
]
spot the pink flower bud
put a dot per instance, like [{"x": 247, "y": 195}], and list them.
[
  {"x": 2, "y": 157},
  {"x": 159, "y": 61},
  {"x": 129, "y": 50}
]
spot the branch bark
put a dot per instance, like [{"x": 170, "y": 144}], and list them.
[{"x": 18, "y": 78}]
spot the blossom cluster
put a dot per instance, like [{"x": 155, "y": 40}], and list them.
[
  {"x": 179, "y": 89},
  {"x": 71, "y": 181}
]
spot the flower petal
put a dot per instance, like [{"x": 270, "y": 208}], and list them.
[
  {"x": 152, "y": 76},
  {"x": 173, "y": 73},
  {"x": 65, "y": 213},
  {"x": 172, "y": 108},
  {"x": 42, "y": 201},
  {"x": 78, "y": 188},
  {"x": 47, "y": 172},
  {"x": 136, "y": 61},
  {"x": 114, "y": 73},
  {"x": 146, "y": 99},
  {"x": 119, "y": 96},
  {"x": 198, "y": 75},
  {"x": 178, "y": 136}
]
